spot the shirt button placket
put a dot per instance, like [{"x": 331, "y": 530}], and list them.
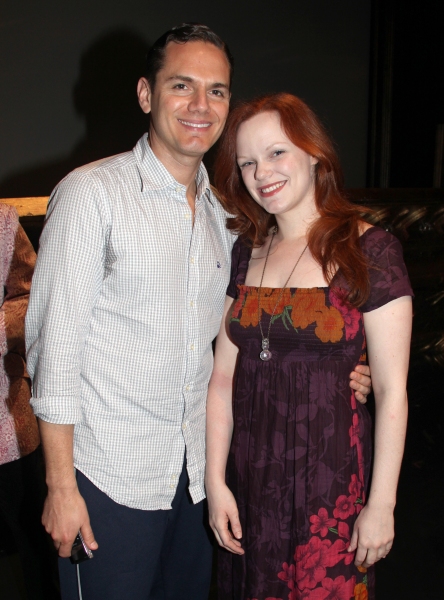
[{"x": 192, "y": 332}]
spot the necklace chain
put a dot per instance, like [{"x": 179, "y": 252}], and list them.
[{"x": 266, "y": 353}]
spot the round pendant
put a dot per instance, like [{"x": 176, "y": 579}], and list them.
[{"x": 265, "y": 355}]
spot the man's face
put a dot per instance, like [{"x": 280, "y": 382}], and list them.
[{"x": 189, "y": 104}]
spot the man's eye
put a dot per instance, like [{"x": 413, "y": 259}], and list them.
[
  {"x": 180, "y": 86},
  {"x": 218, "y": 93}
]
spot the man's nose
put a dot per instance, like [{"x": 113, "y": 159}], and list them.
[{"x": 199, "y": 101}]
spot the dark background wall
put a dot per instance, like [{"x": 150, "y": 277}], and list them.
[
  {"x": 69, "y": 71},
  {"x": 406, "y": 125}
]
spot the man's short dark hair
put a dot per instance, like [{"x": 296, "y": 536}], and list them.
[{"x": 187, "y": 32}]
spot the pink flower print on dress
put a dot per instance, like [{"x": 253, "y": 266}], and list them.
[
  {"x": 319, "y": 593},
  {"x": 311, "y": 562},
  {"x": 351, "y": 315},
  {"x": 336, "y": 553},
  {"x": 345, "y": 507},
  {"x": 354, "y": 431},
  {"x": 343, "y": 530},
  {"x": 339, "y": 589},
  {"x": 321, "y": 522},
  {"x": 289, "y": 575},
  {"x": 355, "y": 486}
]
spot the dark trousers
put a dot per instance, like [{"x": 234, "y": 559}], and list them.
[{"x": 143, "y": 555}]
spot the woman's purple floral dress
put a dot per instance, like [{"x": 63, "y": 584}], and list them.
[{"x": 300, "y": 458}]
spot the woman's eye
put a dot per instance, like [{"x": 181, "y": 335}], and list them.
[
  {"x": 278, "y": 152},
  {"x": 245, "y": 164}
]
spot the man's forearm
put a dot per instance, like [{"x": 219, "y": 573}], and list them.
[
  {"x": 65, "y": 512},
  {"x": 57, "y": 442}
]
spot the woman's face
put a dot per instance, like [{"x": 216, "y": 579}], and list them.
[{"x": 278, "y": 175}]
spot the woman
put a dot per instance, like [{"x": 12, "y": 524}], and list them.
[
  {"x": 314, "y": 290},
  {"x": 21, "y": 464}
]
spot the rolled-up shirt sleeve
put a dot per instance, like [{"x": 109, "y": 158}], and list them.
[{"x": 66, "y": 284}]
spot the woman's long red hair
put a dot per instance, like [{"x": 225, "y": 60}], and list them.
[{"x": 333, "y": 239}]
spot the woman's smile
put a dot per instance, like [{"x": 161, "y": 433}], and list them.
[{"x": 272, "y": 189}]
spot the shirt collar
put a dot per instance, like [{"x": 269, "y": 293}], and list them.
[{"x": 154, "y": 175}]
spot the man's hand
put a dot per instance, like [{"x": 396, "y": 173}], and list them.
[
  {"x": 64, "y": 514},
  {"x": 361, "y": 382}
]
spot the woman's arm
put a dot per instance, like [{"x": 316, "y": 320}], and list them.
[
  {"x": 223, "y": 513},
  {"x": 17, "y": 286},
  {"x": 388, "y": 331}
]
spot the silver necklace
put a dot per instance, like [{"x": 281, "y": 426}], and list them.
[{"x": 266, "y": 353}]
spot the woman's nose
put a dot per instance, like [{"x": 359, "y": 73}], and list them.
[{"x": 263, "y": 171}]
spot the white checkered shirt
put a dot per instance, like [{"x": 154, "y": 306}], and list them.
[{"x": 127, "y": 297}]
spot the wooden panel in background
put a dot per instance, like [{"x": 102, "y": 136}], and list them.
[{"x": 28, "y": 207}]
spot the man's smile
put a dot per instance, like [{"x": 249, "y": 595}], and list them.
[{"x": 199, "y": 125}]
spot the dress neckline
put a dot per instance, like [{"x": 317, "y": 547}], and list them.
[{"x": 305, "y": 289}]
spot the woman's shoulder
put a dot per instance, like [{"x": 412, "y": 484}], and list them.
[
  {"x": 387, "y": 270},
  {"x": 376, "y": 240},
  {"x": 241, "y": 250}
]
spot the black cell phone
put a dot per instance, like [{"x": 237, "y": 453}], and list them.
[{"x": 80, "y": 550}]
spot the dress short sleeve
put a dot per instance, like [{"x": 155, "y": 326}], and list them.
[
  {"x": 240, "y": 257},
  {"x": 387, "y": 271}
]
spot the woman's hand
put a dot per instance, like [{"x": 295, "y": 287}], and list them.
[
  {"x": 373, "y": 535},
  {"x": 224, "y": 517}
]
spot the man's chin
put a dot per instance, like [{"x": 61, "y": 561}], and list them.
[{"x": 197, "y": 149}]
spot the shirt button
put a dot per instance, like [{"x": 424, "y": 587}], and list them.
[
  {"x": 172, "y": 486},
  {"x": 192, "y": 260},
  {"x": 184, "y": 426},
  {"x": 192, "y": 346},
  {"x": 178, "y": 189},
  {"x": 191, "y": 303},
  {"x": 187, "y": 388},
  {"x": 173, "y": 476},
  {"x": 187, "y": 216}
]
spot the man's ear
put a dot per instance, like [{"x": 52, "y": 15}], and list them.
[{"x": 144, "y": 95}]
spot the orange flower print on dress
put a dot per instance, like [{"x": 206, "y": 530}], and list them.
[
  {"x": 307, "y": 304},
  {"x": 361, "y": 592},
  {"x": 249, "y": 311},
  {"x": 269, "y": 298},
  {"x": 330, "y": 325},
  {"x": 239, "y": 302}
]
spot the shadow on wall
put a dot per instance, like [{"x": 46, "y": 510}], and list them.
[{"x": 105, "y": 96}]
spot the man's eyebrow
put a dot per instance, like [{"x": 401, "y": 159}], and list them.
[
  {"x": 180, "y": 78},
  {"x": 187, "y": 79}
]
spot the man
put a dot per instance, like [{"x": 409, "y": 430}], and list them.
[{"x": 127, "y": 296}]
